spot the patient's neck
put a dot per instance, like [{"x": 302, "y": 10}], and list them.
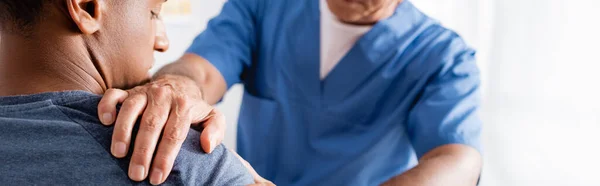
[{"x": 46, "y": 64}]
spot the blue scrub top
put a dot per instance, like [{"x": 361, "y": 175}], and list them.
[{"x": 408, "y": 86}]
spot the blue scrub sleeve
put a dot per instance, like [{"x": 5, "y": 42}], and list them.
[
  {"x": 229, "y": 39},
  {"x": 446, "y": 112}
]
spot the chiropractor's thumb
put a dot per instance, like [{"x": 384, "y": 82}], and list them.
[{"x": 213, "y": 132}]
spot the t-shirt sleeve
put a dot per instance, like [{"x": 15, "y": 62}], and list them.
[
  {"x": 229, "y": 39},
  {"x": 194, "y": 167},
  {"x": 446, "y": 112},
  {"x": 191, "y": 167}
]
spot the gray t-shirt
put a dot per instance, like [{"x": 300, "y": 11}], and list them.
[{"x": 56, "y": 139}]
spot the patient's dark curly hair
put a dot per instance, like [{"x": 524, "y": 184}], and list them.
[{"x": 20, "y": 15}]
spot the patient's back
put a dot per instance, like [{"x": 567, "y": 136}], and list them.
[{"x": 55, "y": 138}]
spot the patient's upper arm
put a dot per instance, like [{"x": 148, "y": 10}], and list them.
[{"x": 194, "y": 167}]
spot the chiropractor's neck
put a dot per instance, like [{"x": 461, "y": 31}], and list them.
[{"x": 47, "y": 60}]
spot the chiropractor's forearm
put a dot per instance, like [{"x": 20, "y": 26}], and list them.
[
  {"x": 202, "y": 72},
  {"x": 446, "y": 165}
]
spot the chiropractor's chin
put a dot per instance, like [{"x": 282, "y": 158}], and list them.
[{"x": 362, "y": 12}]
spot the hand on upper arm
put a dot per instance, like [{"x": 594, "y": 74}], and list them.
[{"x": 168, "y": 107}]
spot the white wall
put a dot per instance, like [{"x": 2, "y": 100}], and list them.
[
  {"x": 541, "y": 106},
  {"x": 542, "y": 120}
]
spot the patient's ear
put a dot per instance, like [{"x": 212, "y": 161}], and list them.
[{"x": 86, "y": 14}]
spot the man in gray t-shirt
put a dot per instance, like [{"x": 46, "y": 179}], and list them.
[
  {"x": 55, "y": 139},
  {"x": 56, "y": 58}
]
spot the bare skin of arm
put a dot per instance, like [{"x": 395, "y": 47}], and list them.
[
  {"x": 202, "y": 72},
  {"x": 452, "y": 164},
  {"x": 213, "y": 88}
]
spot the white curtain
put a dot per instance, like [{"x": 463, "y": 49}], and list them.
[{"x": 538, "y": 58}]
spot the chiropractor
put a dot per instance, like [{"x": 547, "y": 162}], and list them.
[{"x": 337, "y": 92}]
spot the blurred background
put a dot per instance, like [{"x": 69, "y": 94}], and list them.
[{"x": 541, "y": 95}]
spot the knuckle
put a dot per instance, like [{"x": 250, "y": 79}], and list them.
[
  {"x": 153, "y": 85},
  {"x": 142, "y": 152},
  {"x": 181, "y": 100},
  {"x": 137, "y": 90},
  {"x": 153, "y": 123},
  {"x": 124, "y": 130},
  {"x": 131, "y": 101},
  {"x": 174, "y": 137},
  {"x": 181, "y": 107},
  {"x": 140, "y": 88},
  {"x": 134, "y": 100},
  {"x": 160, "y": 91},
  {"x": 161, "y": 161}
]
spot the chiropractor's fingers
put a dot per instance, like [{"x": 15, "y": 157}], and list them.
[
  {"x": 171, "y": 104},
  {"x": 174, "y": 134},
  {"x": 107, "y": 108},
  {"x": 152, "y": 123},
  {"x": 258, "y": 180},
  {"x": 214, "y": 131},
  {"x": 132, "y": 107}
]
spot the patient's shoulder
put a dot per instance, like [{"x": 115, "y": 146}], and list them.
[{"x": 192, "y": 166}]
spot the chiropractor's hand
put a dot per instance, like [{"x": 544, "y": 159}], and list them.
[{"x": 169, "y": 105}]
